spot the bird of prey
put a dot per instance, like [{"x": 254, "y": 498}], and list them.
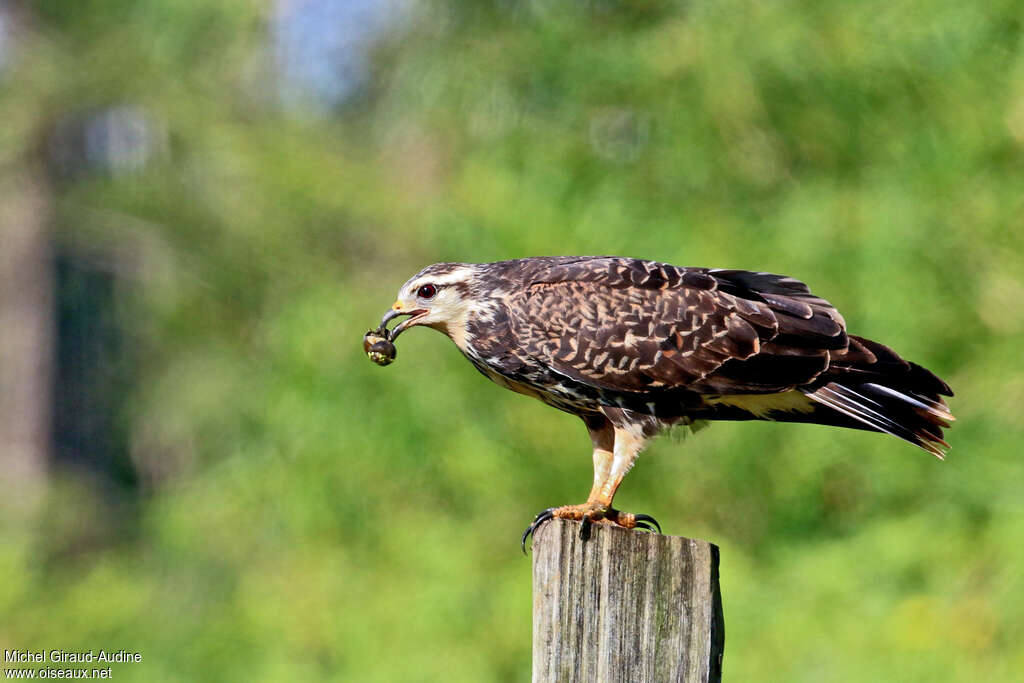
[{"x": 633, "y": 347}]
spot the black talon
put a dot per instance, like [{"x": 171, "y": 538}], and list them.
[
  {"x": 644, "y": 525},
  {"x": 639, "y": 519},
  {"x": 537, "y": 521},
  {"x": 585, "y": 529}
]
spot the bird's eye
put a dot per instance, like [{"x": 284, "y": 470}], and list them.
[{"x": 426, "y": 292}]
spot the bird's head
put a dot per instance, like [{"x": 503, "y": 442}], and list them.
[{"x": 441, "y": 296}]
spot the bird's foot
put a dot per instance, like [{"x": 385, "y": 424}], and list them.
[{"x": 592, "y": 513}]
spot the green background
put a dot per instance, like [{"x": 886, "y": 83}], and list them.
[{"x": 293, "y": 512}]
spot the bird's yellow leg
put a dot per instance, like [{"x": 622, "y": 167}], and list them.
[
  {"x": 615, "y": 451},
  {"x": 603, "y": 439}
]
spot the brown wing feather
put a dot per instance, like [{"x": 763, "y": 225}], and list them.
[{"x": 632, "y": 325}]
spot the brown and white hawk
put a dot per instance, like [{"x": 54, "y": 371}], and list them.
[{"x": 633, "y": 347}]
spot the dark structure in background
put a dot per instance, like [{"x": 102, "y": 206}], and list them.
[
  {"x": 93, "y": 354},
  {"x": 92, "y": 369},
  {"x": 65, "y": 358}
]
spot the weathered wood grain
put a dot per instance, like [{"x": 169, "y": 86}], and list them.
[{"x": 624, "y": 606}]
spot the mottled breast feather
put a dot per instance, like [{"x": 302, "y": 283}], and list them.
[{"x": 630, "y": 325}]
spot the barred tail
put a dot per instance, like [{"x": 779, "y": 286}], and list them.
[{"x": 881, "y": 392}]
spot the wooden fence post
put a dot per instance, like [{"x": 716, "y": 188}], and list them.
[{"x": 624, "y": 606}]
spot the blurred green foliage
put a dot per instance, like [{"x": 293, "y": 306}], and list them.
[{"x": 302, "y": 514}]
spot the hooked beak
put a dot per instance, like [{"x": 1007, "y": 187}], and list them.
[{"x": 402, "y": 326}]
